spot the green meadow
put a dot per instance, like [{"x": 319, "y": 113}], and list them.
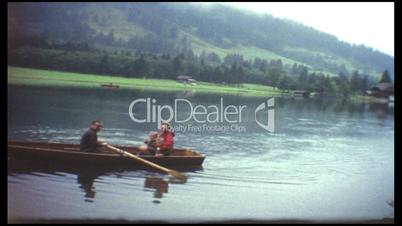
[{"x": 39, "y": 77}]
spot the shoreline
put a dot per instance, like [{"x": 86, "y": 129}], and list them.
[
  {"x": 21, "y": 76},
  {"x": 368, "y": 99},
  {"x": 41, "y": 77}
]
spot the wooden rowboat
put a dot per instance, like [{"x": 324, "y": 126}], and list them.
[
  {"x": 56, "y": 153},
  {"x": 110, "y": 85}
]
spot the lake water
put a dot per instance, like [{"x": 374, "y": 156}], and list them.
[{"x": 326, "y": 160}]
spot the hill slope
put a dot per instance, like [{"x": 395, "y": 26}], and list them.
[{"x": 181, "y": 27}]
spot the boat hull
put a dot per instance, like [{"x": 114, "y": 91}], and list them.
[{"x": 58, "y": 153}]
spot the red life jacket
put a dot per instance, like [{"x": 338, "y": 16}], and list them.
[{"x": 168, "y": 141}]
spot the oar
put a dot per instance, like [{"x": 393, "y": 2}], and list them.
[{"x": 174, "y": 173}]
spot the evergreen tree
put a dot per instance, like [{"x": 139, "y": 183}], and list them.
[
  {"x": 354, "y": 81},
  {"x": 364, "y": 84},
  {"x": 385, "y": 77},
  {"x": 104, "y": 64},
  {"x": 142, "y": 66}
]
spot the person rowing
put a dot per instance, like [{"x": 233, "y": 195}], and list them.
[{"x": 89, "y": 140}]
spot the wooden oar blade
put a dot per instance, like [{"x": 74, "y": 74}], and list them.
[{"x": 177, "y": 174}]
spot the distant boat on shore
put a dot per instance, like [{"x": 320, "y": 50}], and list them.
[
  {"x": 110, "y": 85},
  {"x": 301, "y": 93}
]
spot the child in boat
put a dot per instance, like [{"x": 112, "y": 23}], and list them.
[
  {"x": 159, "y": 144},
  {"x": 167, "y": 140},
  {"x": 152, "y": 142}
]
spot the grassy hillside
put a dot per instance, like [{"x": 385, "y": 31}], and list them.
[
  {"x": 248, "y": 52},
  {"x": 219, "y": 29},
  {"x": 104, "y": 21},
  {"x": 331, "y": 59}
]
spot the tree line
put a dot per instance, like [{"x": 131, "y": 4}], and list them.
[{"x": 233, "y": 69}]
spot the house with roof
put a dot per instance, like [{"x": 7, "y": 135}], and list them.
[
  {"x": 384, "y": 89},
  {"x": 186, "y": 80}
]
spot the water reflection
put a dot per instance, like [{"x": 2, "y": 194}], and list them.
[
  {"x": 159, "y": 184},
  {"x": 45, "y": 108},
  {"x": 86, "y": 181},
  {"x": 87, "y": 177},
  {"x": 323, "y": 105},
  {"x": 187, "y": 93},
  {"x": 381, "y": 110}
]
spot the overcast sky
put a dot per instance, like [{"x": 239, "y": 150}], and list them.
[{"x": 367, "y": 23}]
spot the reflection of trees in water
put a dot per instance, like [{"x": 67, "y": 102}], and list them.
[
  {"x": 329, "y": 105},
  {"x": 186, "y": 93},
  {"x": 381, "y": 110}
]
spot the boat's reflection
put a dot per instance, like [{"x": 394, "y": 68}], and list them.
[{"x": 86, "y": 177}]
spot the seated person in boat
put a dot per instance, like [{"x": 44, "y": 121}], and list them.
[
  {"x": 153, "y": 142},
  {"x": 89, "y": 140},
  {"x": 166, "y": 147},
  {"x": 159, "y": 144}
]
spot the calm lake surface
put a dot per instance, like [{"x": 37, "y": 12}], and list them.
[{"x": 326, "y": 160}]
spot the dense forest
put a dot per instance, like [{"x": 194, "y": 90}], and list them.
[{"x": 164, "y": 40}]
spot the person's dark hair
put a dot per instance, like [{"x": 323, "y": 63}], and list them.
[{"x": 96, "y": 121}]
